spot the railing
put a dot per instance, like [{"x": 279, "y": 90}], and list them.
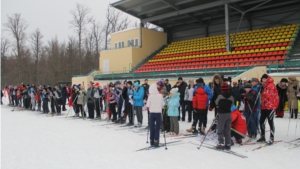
[
  {"x": 148, "y": 58},
  {"x": 88, "y": 74}
]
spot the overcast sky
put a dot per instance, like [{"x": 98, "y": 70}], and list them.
[{"x": 51, "y": 16}]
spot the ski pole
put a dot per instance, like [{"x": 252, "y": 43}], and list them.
[
  {"x": 165, "y": 129},
  {"x": 207, "y": 132},
  {"x": 241, "y": 134},
  {"x": 296, "y": 124},
  {"x": 291, "y": 112}
]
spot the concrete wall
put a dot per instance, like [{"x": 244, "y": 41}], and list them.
[
  {"x": 255, "y": 72},
  {"x": 123, "y": 57},
  {"x": 84, "y": 80}
]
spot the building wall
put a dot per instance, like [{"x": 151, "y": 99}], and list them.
[
  {"x": 128, "y": 57},
  {"x": 84, "y": 80},
  {"x": 255, "y": 72}
]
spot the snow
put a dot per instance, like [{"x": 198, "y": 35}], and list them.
[{"x": 34, "y": 141}]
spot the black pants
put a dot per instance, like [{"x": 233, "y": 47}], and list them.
[
  {"x": 112, "y": 108},
  {"x": 236, "y": 135},
  {"x": 294, "y": 112},
  {"x": 129, "y": 111},
  {"x": 189, "y": 105},
  {"x": 79, "y": 108},
  {"x": 166, "y": 121},
  {"x": 63, "y": 104},
  {"x": 28, "y": 103},
  {"x": 39, "y": 104},
  {"x": 267, "y": 114},
  {"x": 97, "y": 104},
  {"x": 45, "y": 106},
  {"x": 14, "y": 100},
  {"x": 91, "y": 110},
  {"x": 52, "y": 105},
  {"x": 182, "y": 105},
  {"x": 57, "y": 104},
  {"x": 199, "y": 115}
]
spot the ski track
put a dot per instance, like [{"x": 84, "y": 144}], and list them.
[{"x": 34, "y": 141}]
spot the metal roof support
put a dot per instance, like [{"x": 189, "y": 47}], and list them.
[
  {"x": 227, "y": 28},
  {"x": 142, "y": 4},
  {"x": 243, "y": 13},
  {"x": 141, "y": 34},
  {"x": 188, "y": 10},
  {"x": 279, "y": 20}
]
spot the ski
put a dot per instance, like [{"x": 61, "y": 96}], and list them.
[
  {"x": 226, "y": 151},
  {"x": 185, "y": 137},
  {"x": 292, "y": 140},
  {"x": 126, "y": 128},
  {"x": 264, "y": 145},
  {"x": 294, "y": 146},
  {"x": 160, "y": 145}
]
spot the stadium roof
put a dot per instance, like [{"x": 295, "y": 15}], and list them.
[{"x": 179, "y": 13}]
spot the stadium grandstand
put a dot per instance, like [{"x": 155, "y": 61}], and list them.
[{"x": 193, "y": 38}]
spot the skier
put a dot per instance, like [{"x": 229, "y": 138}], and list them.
[
  {"x": 138, "y": 97},
  {"x": 269, "y": 103},
  {"x": 155, "y": 103},
  {"x": 250, "y": 110},
  {"x": 224, "y": 101},
  {"x": 200, "y": 109},
  {"x": 188, "y": 98},
  {"x": 217, "y": 80},
  {"x": 90, "y": 101},
  {"x": 173, "y": 112},
  {"x": 292, "y": 90},
  {"x": 118, "y": 92},
  {"x": 97, "y": 99},
  {"x": 282, "y": 93},
  {"x": 238, "y": 125}
]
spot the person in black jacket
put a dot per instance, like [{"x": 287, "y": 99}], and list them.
[
  {"x": 217, "y": 80},
  {"x": 64, "y": 95},
  {"x": 282, "y": 92},
  {"x": 167, "y": 85},
  {"x": 235, "y": 92},
  {"x": 181, "y": 85}
]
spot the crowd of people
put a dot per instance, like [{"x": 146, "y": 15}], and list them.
[{"x": 240, "y": 108}]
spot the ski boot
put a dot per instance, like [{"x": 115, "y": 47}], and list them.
[
  {"x": 227, "y": 147},
  {"x": 156, "y": 143},
  {"x": 190, "y": 129},
  {"x": 201, "y": 131},
  {"x": 270, "y": 142},
  {"x": 220, "y": 146},
  {"x": 262, "y": 139},
  {"x": 151, "y": 143}
]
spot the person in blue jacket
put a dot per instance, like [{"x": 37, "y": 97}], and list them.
[
  {"x": 138, "y": 98},
  {"x": 208, "y": 92},
  {"x": 173, "y": 112}
]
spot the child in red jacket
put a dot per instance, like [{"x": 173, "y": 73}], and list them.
[
  {"x": 199, "y": 106},
  {"x": 238, "y": 125}
]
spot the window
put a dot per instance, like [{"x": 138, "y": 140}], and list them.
[
  {"x": 119, "y": 45},
  {"x": 133, "y": 42}
]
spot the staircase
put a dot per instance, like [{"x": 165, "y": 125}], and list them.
[
  {"x": 148, "y": 58},
  {"x": 295, "y": 55}
]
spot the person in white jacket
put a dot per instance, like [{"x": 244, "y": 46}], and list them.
[
  {"x": 188, "y": 98},
  {"x": 155, "y": 103}
]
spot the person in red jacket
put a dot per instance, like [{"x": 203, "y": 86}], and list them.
[
  {"x": 269, "y": 104},
  {"x": 199, "y": 105},
  {"x": 238, "y": 125}
]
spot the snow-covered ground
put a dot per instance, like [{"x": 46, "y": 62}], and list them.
[{"x": 34, "y": 141}]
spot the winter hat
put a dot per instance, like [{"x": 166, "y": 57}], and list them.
[
  {"x": 111, "y": 85},
  {"x": 96, "y": 84},
  {"x": 117, "y": 82},
  {"x": 174, "y": 90},
  {"x": 136, "y": 84},
  {"x": 248, "y": 85},
  {"x": 200, "y": 80},
  {"x": 284, "y": 80},
  {"x": 180, "y": 78},
  {"x": 160, "y": 83},
  {"x": 137, "y": 81},
  {"x": 191, "y": 81},
  {"x": 129, "y": 82},
  {"x": 254, "y": 79},
  {"x": 233, "y": 108},
  {"x": 264, "y": 76},
  {"x": 292, "y": 78},
  {"x": 32, "y": 89},
  {"x": 224, "y": 87}
]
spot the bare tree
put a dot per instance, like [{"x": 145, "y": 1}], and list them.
[
  {"x": 36, "y": 40},
  {"x": 97, "y": 32},
  {"x": 17, "y": 26},
  {"x": 114, "y": 22},
  {"x": 5, "y": 44},
  {"x": 80, "y": 20}
]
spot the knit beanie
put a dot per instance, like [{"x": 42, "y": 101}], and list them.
[
  {"x": 284, "y": 80},
  {"x": 160, "y": 83},
  {"x": 129, "y": 82},
  {"x": 174, "y": 90},
  {"x": 248, "y": 85},
  {"x": 264, "y": 76},
  {"x": 136, "y": 84},
  {"x": 224, "y": 87}
]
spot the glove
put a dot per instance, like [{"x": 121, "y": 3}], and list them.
[{"x": 295, "y": 87}]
